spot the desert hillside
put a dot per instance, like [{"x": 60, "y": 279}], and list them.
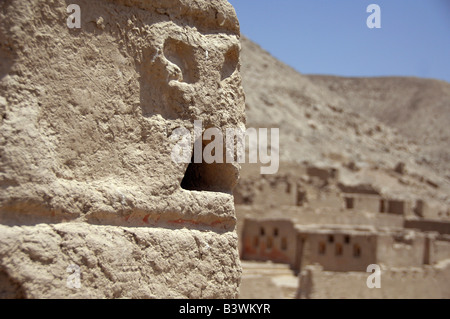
[
  {"x": 366, "y": 127},
  {"x": 363, "y": 160},
  {"x": 418, "y": 108}
]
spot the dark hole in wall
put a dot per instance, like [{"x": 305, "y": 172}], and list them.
[
  {"x": 275, "y": 232},
  {"x": 211, "y": 177},
  {"x": 396, "y": 207},
  {"x": 347, "y": 239},
  {"x": 382, "y": 206},
  {"x": 349, "y": 202},
  {"x": 301, "y": 197}
]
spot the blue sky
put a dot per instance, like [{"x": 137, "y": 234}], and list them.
[{"x": 331, "y": 36}]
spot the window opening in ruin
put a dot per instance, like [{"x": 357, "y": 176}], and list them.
[
  {"x": 275, "y": 232},
  {"x": 382, "y": 209},
  {"x": 269, "y": 242},
  {"x": 284, "y": 244},
  {"x": 322, "y": 248},
  {"x": 347, "y": 239},
  {"x": 330, "y": 238},
  {"x": 349, "y": 202},
  {"x": 262, "y": 231},
  {"x": 339, "y": 249},
  {"x": 210, "y": 177},
  {"x": 301, "y": 197},
  {"x": 396, "y": 207},
  {"x": 356, "y": 250}
]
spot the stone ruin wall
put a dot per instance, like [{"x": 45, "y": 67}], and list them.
[
  {"x": 308, "y": 186},
  {"x": 85, "y": 168},
  {"x": 403, "y": 250},
  {"x": 396, "y": 283},
  {"x": 441, "y": 248},
  {"x": 274, "y": 240},
  {"x": 337, "y": 248}
]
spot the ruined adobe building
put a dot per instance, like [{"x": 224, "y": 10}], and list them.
[
  {"x": 340, "y": 248},
  {"x": 330, "y": 261},
  {"x": 320, "y": 226},
  {"x": 85, "y": 168},
  {"x": 396, "y": 283},
  {"x": 311, "y": 188}
]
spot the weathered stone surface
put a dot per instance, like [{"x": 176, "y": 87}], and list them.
[
  {"x": 85, "y": 167},
  {"x": 396, "y": 283},
  {"x": 117, "y": 262}
]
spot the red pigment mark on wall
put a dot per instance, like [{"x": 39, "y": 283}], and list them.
[
  {"x": 217, "y": 222},
  {"x": 145, "y": 219},
  {"x": 183, "y": 221},
  {"x": 127, "y": 217},
  {"x": 193, "y": 222}
]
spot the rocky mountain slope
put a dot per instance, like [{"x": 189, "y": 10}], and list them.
[
  {"x": 391, "y": 127},
  {"x": 418, "y": 108}
]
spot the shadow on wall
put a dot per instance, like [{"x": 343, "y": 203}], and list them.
[
  {"x": 213, "y": 177},
  {"x": 6, "y": 63},
  {"x": 9, "y": 289}
]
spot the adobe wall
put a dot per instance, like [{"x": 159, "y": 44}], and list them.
[
  {"x": 440, "y": 226},
  {"x": 324, "y": 173},
  {"x": 271, "y": 190},
  {"x": 278, "y": 192},
  {"x": 340, "y": 250},
  {"x": 430, "y": 209},
  {"x": 397, "y": 206},
  {"x": 362, "y": 202},
  {"x": 320, "y": 198},
  {"x": 269, "y": 239},
  {"x": 377, "y": 204},
  {"x": 441, "y": 248},
  {"x": 86, "y": 171},
  {"x": 401, "y": 249},
  {"x": 327, "y": 216},
  {"x": 401, "y": 283},
  {"x": 310, "y": 216}
]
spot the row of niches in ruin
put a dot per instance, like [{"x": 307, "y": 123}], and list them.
[
  {"x": 308, "y": 216},
  {"x": 339, "y": 247}
]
